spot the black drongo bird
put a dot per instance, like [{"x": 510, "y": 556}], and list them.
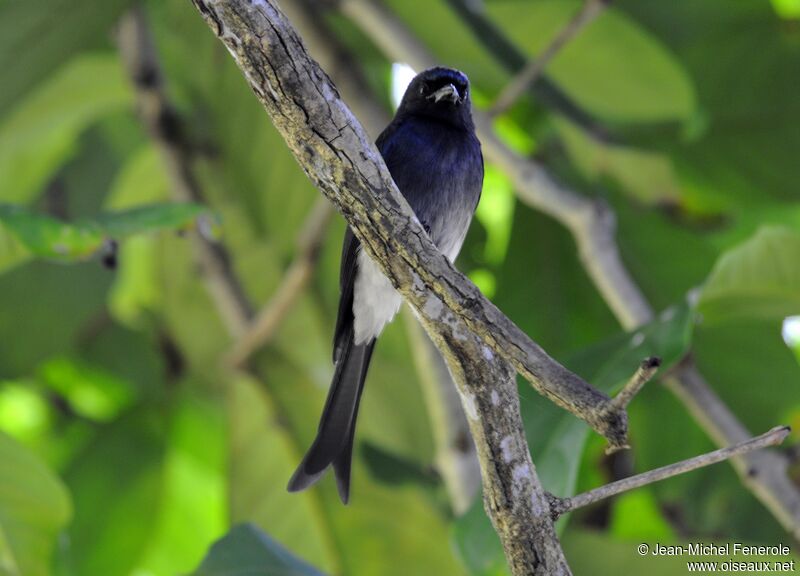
[{"x": 435, "y": 159}]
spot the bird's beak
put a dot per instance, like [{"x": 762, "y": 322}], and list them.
[{"x": 448, "y": 92}]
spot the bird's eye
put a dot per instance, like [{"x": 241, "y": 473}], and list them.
[{"x": 423, "y": 87}]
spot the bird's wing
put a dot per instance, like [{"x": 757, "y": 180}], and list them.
[
  {"x": 348, "y": 269},
  {"x": 347, "y": 279}
]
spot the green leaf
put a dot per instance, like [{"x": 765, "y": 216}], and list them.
[
  {"x": 29, "y": 326},
  {"x": 90, "y": 391},
  {"x": 41, "y": 133},
  {"x": 247, "y": 551},
  {"x": 37, "y": 36},
  {"x": 496, "y": 212},
  {"x": 263, "y": 455},
  {"x": 142, "y": 180},
  {"x": 787, "y": 9},
  {"x": 760, "y": 279},
  {"x": 117, "y": 478},
  {"x": 614, "y": 68},
  {"x": 49, "y": 237},
  {"x": 747, "y": 151},
  {"x": 646, "y": 176},
  {"x": 637, "y": 515},
  {"x": 194, "y": 485},
  {"x": 34, "y": 506}
]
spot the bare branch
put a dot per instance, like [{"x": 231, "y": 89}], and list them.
[
  {"x": 164, "y": 127},
  {"x": 560, "y": 506},
  {"x": 527, "y": 77},
  {"x": 593, "y": 226},
  {"x": 261, "y": 331}
]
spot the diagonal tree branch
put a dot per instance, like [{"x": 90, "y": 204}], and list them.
[{"x": 593, "y": 226}]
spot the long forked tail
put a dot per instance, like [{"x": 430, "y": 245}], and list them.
[{"x": 334, "y": 441}]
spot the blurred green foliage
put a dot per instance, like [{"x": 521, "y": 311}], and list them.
[{"x": 127, "y": 449}]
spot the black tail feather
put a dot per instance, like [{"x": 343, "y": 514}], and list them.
[{"x": 334, "y": 441}]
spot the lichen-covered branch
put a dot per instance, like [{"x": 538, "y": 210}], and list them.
[{"x": 593, "y": 226}]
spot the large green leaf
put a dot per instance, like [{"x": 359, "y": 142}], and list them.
[
  {"x": 194, "y": 485},
  {"x": 34, "y": 506},
  {"x": 37, "y": 290},
  {"x": 253, "y": 163},
  {"x": 37, "y": 36},
  {"x": 759, "y": 278},
  {"x": 263, "y": 454},
  {"x": 117, "y": 478},
  {"x": 646, "y": 176},
  {"x": 48, "y": 237},
  {"x": 743, "y": 60},
  {"x": 614, "y": 68},
  {"x": 247, "y": 551},
  {"x": 42, "y": 131}
]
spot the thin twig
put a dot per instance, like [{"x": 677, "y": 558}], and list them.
[
  {"x": 560, "y": 506},
  {"x": 527, "y": 77},
  {"x": 643, "y": 375},
  {"x": 593, "y": 226},
  {"x": 164, "y": 127},
  {"x": 262, "y": 330}
]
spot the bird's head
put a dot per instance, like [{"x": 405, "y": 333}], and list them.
[{"x": 439, "y": 93}]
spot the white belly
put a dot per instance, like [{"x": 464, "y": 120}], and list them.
[{"x": 375, "y": 301}]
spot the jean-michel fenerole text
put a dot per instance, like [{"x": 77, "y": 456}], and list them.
[{"x": 728, "y": 549}]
